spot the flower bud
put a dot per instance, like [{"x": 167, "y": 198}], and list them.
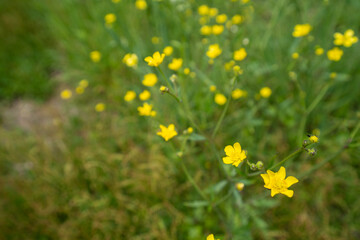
[
  {"x": 173, "y": 78},
  {"x": 253, "y": 166},
  {"x": 259, "y": 165},
  {"x": 179, "y": 154},
  {"x": 313, "y": 139},
  {"x": 312, "y": 152},
  {"x": 239, "y": 186},
  {"x": 164, "y": 89}
]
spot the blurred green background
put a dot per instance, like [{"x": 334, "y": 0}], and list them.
[{"x": 68, "y": 172}]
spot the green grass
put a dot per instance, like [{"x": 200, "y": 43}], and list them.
[{"x": 78, "y": 174}]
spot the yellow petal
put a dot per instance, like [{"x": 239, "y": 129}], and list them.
[
  {"x": 274, "y": 192},
  {"x": 282, "y": 173},
  {"x": 349, "y": 33},
  {"x": 236, "y": 163},
  {"x": 156, "y": 55},
  {"x": 171, "y": 127},
  {"x": 288, "y": 193},
  {"x": 290, "y": 181},
  {"x": 271, "y": 173},
  {"x": 210, "y": 237},
  {"x": 266, "y": 178},
  {"x": 227, "y": 160},
  {"x": 237, "y": 147},
  {"x": 229, "y": 150},
  {"x": 148, "y": 59}
]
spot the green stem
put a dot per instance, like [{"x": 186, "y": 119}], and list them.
[
  {"x": 287, "y": 158},
  {"x": 192, "y": 181},
  {"x": 166, "y": 79}
]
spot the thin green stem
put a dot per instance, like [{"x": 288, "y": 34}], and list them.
[
  {"x": 192, "y": 181},
  {"x": 287, "y": 158},
  {"x": 166, "y": 79}
]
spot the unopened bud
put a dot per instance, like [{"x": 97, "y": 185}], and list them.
[
  {"x": 259, "y": 165},
  {"x": 164, "y": 89},
  {"x": 240, "y": 186},
  {"x": 173, "y": 78},
  {"x": 313, "y": 139},
  {"x": 253, "y": 167},
  {"x": 312, "y": 152}
]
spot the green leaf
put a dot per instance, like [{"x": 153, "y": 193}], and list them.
[
  {"x": 196, "y": 137},
  {"x": 196, "y": 204}
]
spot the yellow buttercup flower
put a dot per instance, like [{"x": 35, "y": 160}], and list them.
[
  {"x": 277, "y": 183},
  {"x": 110, "y": 18},
  {"x": 214, "y": 51},
  {"x": 116, "y": 1},
  {"x": 129, "y": 96},
  {"x": 144, "y": 95},
  {"x": 211, "y": 237},
  {"x": 130, "y": 59},
  {"x": 301, "y": 30},
  {"x": 95, "y": 56},
  {"x": 79, "y": 90},
  {"x": 240, "y": 54},
  {"x": 213, "y": 12},
  {"x": 220, "y": 99},
  {"x": 240, "y": 186},
  {"x": 190, "y": 130},
  {"x": 175, "y": 64},
  {"x": 205, "y": 30},
  {"x": 265, "y": 92},
  {"x": 100, "y": 107},
  {"x": 155, "y": 40},
  {"x": 66, "y": 94},
  {"x": 203, "y": 10},
  {"x": 221, "y": 18},
  {"x": 319, "y": 51},
  {"x": 146, "y": 110},
  {"x": 155, "y": 60},
  {"x": 234, "y": 154},
  {"x": 237, "y": 70},
  {"x": 313, "y": 139},
  {"x": 335, "y": 54},
  {"x": 347, "y": 40},
  {"x": 167, "y": 132},
  {"x": 237, "y": 19},
  {"x": 295, "y": 55},
  {"x": 217, "y": 29},
  {"x": 84, "y": 83},
  {"x": 212, "y": 88},
  {"x": 168, "y": 50},
  {"x": 141, "y": 4},
  {"x": 333, "y": 75},
  {"x": 238, "y": 93},
  {"x": 150, "y": 80},
  {"x": 186, "y": 71}
]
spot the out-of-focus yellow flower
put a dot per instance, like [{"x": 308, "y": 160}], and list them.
[
  {"x": 155, "y": 40},
  {"x": 234, "y": 154},
  {"x": 168, "y": 50},
  {"x": 146, "y": 110},
  {"x": 175, "y": 64},
  {"x": 229, "y": 65},
  {"x": 240, "y": 54},
  {"x": 333, "y": 75},
  {"x": 214, "y": 51},
  {"x": 190, "y": 130},
  {"x": 277, "y": 183},
  {"x": 213, "y": 12},
  {"x": 141, "y": 4},
  {"x": 237, "y": 19},
  {"x": 203, "y": 10},
  {"x": 220, "y": 99},
  {"x": 295, "y": 55},
  {"x": 186, "y": 71},
  {"x": 203, "y": 20},
  {"x": 265, "y": 92},
  {"x": 301, "y": 30},
  {"x": 347, "y": 40},
  {"x": 79, "y": 90},
  {"x": 130, "y": 59},
  {"x": 205, "y": 30},
  {"x": 144, "y": 95},
  {"x": 319, "y": 51},
  {"x": 100, "y": 107},
  {"x": 237, "y": 70},
  {"x": 238, "y": 93},
  {"x": 84, "y": 83},
  {"x": 116, "y": 1},
  {"x": 95, "y": 56},
  {"x": 150, "y": 80},
  {"x": 245, "y": 1},
  {"x": 212, "y": 88},
  {"x": 66, "y": 94},
  {"x": 240, "y": 186},
  {"x": 313, "y": 139},
  {"x": 211, "y": 237},
  {"x": 335, "y": 54},
  {"x": 129, "y": 96},
  {"x": 167, "y": 132},
  {"x": 155, "y": 60},
  {"x": 221, "y": 18},
  {"x": 217, "y": 29},
  {"x": 110, "y": 18},
  {"x": 164, "y": 89}
]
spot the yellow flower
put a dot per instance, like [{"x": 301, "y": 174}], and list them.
[
  {"x": 220, "y": 99},
  {"x": 203, "y": 10},
  {"x": 347, "y": 39},
  {"x": 155, "y": 60},
  {"x": 245, "y": 1},
  {"x": 167, "y": 132},
  {"x": 95, "y": 56},
  {"x": 144, "y": 95},
  {"x": 238, "y": 93},
  {"x": 236, "y": 19},
  {"x": 155, "y": 40},
  {"x": 214, "y": 51},
  {"x": 150, "y": 80},
  {"x": 319, "y": 51},
  {"x": 295, "y": 55},
  {"x": 175, "y": 64},
  {"x": 277, "y": 182},
  {"x": 190, "y": 130},
  {"x": 221, "y": 18},
  {"x": 205, "y": 30},
  {"x": 217, "y": 29},
  {"x": 141, "y": 4},
  {"x": 333, "y": 75},
  {"x": 168, "y": 50},
  {"x": 240, "y": 54},
  {"x": 79, "y": 90},
  {"x": 66, "y": 94},
  {"x": 110, "y": 18},
  {"x": 240, "y": 186},
  {"x": 100, "y": 107},
  {"x": 335, "y": 54},
  {"x": 229, "y": 65},
  {"x": 130, "y": 59},
  {"x": 186, "y": 71},
  {"x": 213, "y": 12},
  {"x": 129, "y": 96},
  {"x": 313, "y": 139},
  {"x": 164, "y": 89},
  {"x": 146, "y": 110},
  {"x": 116, "y": 1},
  {"x": 301, "y": 30},
  {"x": 234, "y": 155},
  {"x": 212, "y": 88},
  {"x": 237, "y": 70},
  {"x": 211, "y": 237},
  {"x": 265, "y": 92},
  {"x": 84, "y": 83}
]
